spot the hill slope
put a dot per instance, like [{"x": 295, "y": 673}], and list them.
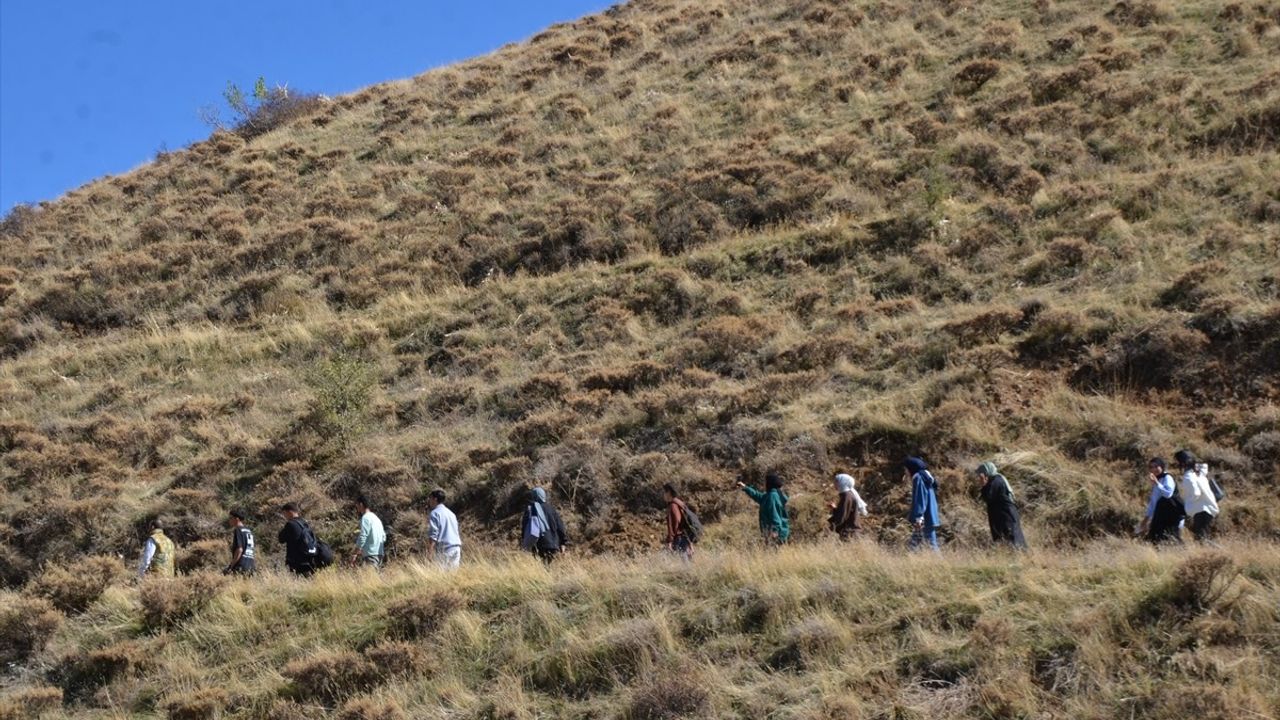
[{"x": 680, "y": 241}]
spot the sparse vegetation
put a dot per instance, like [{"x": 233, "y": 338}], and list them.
[{"x": 818, "y": 630}]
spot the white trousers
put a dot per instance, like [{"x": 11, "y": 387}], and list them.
[{"x": 449, "y": 558}]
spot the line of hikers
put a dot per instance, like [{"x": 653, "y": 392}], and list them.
[{"x": 543, "y": 532}]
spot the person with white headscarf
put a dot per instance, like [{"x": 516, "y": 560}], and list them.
[
  {"x": 1002, "y": 513},
  {"x": 847, "y": 508},
  {"x": 543, "y": 531}
]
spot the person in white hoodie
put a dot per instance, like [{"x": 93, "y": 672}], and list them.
[{"x": 1197, "y": 495}]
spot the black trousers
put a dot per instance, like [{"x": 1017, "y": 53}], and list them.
[{"x": 1201, "y": 525}]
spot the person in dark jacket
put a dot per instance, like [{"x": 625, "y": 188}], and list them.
[
  {"x": 924, "y": 504},
  {"x": 1002, "y": 514},
  {"x": 774, "y": 524},
  {"x": 1162, "y": 523},
  {"x": 543, "y": 532},
  {"x": 847, "y": 508},
  {"x": 297, "y": 538}
]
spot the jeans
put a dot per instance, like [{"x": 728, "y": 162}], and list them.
[
  {"x": 682, "y": 547},
  {"x": 926, "y": 534}
]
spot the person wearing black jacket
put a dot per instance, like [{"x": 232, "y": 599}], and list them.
[
  {"x": 1002, "y": 514},
  {"x": 298, "y": 541},
  {"x": 543, "y": 532}
]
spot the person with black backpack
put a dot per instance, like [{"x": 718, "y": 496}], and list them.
[
  {"x": 684, "y": 529},
  {"x": 543, "y": 532},
  {"x": 1162, "y": 523},
  {"x": 304, "y": 553}
]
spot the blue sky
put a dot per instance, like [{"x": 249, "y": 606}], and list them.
[{"x": 95, "y": 88}]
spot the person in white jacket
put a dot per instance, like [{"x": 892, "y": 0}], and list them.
[{"x": 1197, "y": 496}]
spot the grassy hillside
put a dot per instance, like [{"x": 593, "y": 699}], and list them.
[
  {"x": 810, "y": 632},
  {"x": 681, "y": 240}
]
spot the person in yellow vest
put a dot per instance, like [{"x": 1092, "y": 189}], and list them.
[{"x": 158, "y": 554}]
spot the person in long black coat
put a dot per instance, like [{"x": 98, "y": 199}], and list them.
[
  {"x": 1002, "y": 514},
  {"x": 543, "y": 532}
]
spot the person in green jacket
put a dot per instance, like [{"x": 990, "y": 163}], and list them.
[{"x": 773, "y": 509}]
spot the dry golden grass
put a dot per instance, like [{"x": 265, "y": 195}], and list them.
[{"x": 818, "y": 631}]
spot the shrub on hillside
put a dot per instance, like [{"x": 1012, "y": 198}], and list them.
[
  {"x": 82, "y": 307},
  {"x": 1201, "y": 581},
  {"x": 343, "y": 388},
  {"x": 1165, "y": 356},
  {"x": 370, "y": 709},
  {"x": 976, "y": 74},
  {"x": 330, "y": 676},
  {"x": 264, "y": 108},
  {"x": 202, "y": 555},
  {"x": 418, "y": 616},
  {"x": 73, "y": 588},
  {"x": 937, "y": 667},
  {"x": 728, "y": 344},
  {"x": 756, "y": 192},
  {"x": 622, "y": 653},
  {"x": 670, "y": 697},
  {"x": 26, "y": 626},
  {"x": 83, "y": 673},
  {"x": 1059, "y": 335},
  {"x": 681, "y": 222},
  {"x": 1139, "y": 13},
  {"x": 168, "y": 602},
  {"x": 985, "y": 327},
  {"x": 808, "y": 643},
  {"x": 206, "y": 703},
  {"x": 21, "y": 218},
  {"x": 392, "y": 659},
  {"x": 30, "y": 703}
]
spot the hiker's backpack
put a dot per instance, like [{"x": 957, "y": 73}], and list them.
[
  {"x": 1216, "y": 489},
  {"x": 319, "y": 551},
  {"x": 692, "y": 524}
]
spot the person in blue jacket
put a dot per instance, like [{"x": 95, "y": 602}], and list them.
[
  {"x": 924, "y": 504},
  {"x": 774, "y": 524}
]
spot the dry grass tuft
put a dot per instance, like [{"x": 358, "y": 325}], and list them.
[{"x": 26, "y": 626}]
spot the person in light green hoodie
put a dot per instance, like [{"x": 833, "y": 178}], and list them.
[{"x": 773, "y": 509}]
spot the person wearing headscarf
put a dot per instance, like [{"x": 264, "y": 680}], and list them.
[
  {"x": 1002, "y": 514},
  {"x": 774, "y": 525},
  {"x": 1197, "y": 495},
  {"x": 846, "y": 509},
  {"x": 1162, "y": 523},
  {"x": 924, "y": 504},
  {"x": 543, "y": 533}
]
